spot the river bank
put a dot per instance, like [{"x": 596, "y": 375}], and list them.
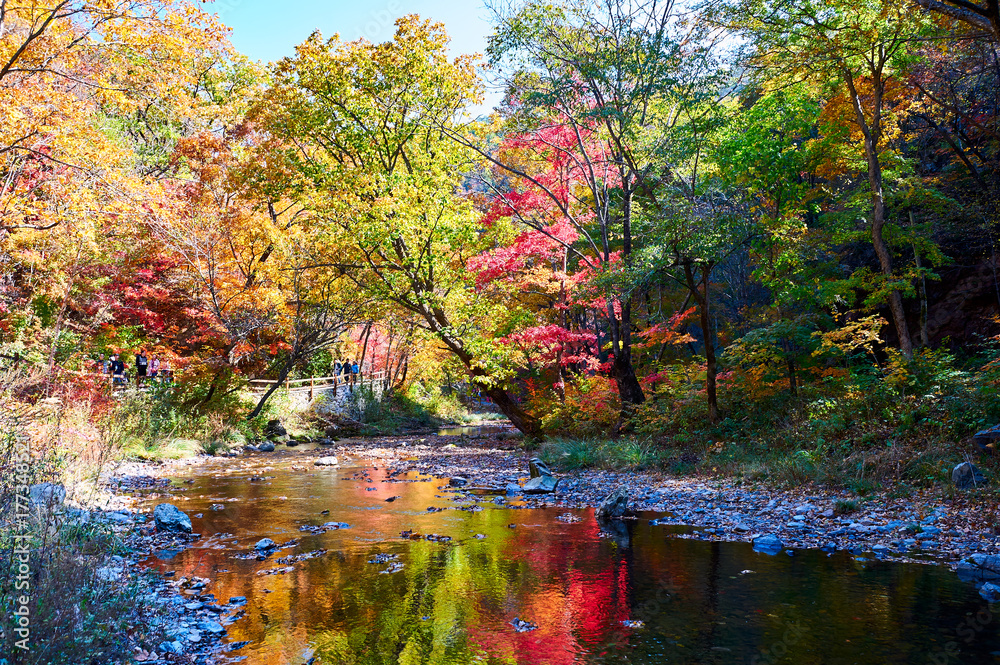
[{"x": 926, "y": 525}]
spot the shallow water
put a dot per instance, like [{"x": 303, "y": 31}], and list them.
[
  {"x": 469, "y": 430},
  {"x": 453, "y": 602}
]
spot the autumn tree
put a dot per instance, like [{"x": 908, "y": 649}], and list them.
[
  {"x": 362, "y": 128},
  {"x": 859, "y": 52},
  {"x": 584, "y": 83}
]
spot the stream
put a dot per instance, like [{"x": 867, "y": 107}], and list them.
[{"x": 647, "y": 595}]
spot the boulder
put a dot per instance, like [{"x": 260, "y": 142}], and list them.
[
  {"x": 986, "y": 439},
  {"x": 169, "y": 517},
  {"x": 264, "y": 544},
  {"x": 47, "y": 494},
  {"x": 458, "y": 481},
  {"x": 614, "y": 506},
  {"x": 537, "y": 468},
  {"x": 541, "y": 485},
  {"x": 990, "y": 592},
  {"x": 980, "y": 567},
  {"x": 966, "y": 475},
  {"x": 326, "y": 461},
  {"x": 513, "y": 488},
  {"x": 326, "y": 442},
  {"x": 768, "y": 544},
  {"x": 291, "y": 443},
  {"x": 275, "y": 428},
  {"x": 266, "y": 447}
]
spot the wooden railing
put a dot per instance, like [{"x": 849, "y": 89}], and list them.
[{"x": 320, "y": 382}]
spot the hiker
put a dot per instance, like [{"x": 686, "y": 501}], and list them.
[
  {"x": 355, "y": 372},
  {"x": 165, "y": 371},
  {"x": 336, "y": 373},
  {"x": 141, "y": 365},
  {"x": 117, "y": 371},
  {"x": 101, "y": 365},
  {"x": 154, "y": 367}
]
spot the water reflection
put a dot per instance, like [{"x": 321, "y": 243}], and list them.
[{"x": 452, "y": 602}]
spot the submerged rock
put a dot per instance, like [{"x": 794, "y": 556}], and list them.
[
  {"x": 264, "y": 544},
  {"x": 169, "y": 517},
  {"x": 966, "y": 475},
  {"x": 458, "y": 481},
  {"x": 980, "y": 567},
  {"x": 990, "y": 592},
  {"x": 768, "y": 544}
]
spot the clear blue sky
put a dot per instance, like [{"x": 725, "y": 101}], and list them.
[{"x": 268, "y": 30}]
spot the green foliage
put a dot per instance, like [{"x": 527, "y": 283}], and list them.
[{"x": 627, "y": 453}]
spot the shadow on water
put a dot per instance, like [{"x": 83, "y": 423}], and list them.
[{"x": 452, "y": 602}]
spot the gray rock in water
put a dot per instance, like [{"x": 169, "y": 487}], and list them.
[
  {"x": 266, "y": 447},
  {"x": 537, "y": 468},
  {"x": 979, "y": 567},
  {"x": 514, "y": 488},
  {"x": 212, "y": 627},
  {"x": 966, "y": 475},
  {"x": 326, "y": 461},
  {"x": 458, "y": 481},
  {"x": 169, "y": 517},
  {"x": 614, "y": 506},
  {"x": 174, "y": 647},
  {"x": 264, "y": 544},
  {"x": 990, "y": 592},
  {"x": 275, "y": 428},
  {"x": 541, "y": 485},
  {"x": 769, "y": 544},
  {"x": 47, "y": 494},
  {"x": 326, "y": 441}
]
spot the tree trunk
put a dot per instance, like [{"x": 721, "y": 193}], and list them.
[
  {"x": 522, "y": 420},
  {"x": 872, "y": 134},
  {"x": 285, "y": 371},
  {"x": 704, "y": 303},
  {"x": 922, "y": 293}
]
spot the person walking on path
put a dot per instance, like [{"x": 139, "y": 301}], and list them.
[
  {"x": 117, "y": 371},
  {"x": 101, "y": 365},
  {"x": 154, "y": 367},
  {"x": 336, "y": 374},
  {"x": 141, "y": 365},
  {"x": 355, "y": 373}
]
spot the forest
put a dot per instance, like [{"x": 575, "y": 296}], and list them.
[
  {"x": 752, "y": 241},
  {"x": 718, "y": 230}
]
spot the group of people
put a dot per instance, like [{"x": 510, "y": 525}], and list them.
[
  {"x": 350, "y": 370},
  {"x": 145, "y": 368}
]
